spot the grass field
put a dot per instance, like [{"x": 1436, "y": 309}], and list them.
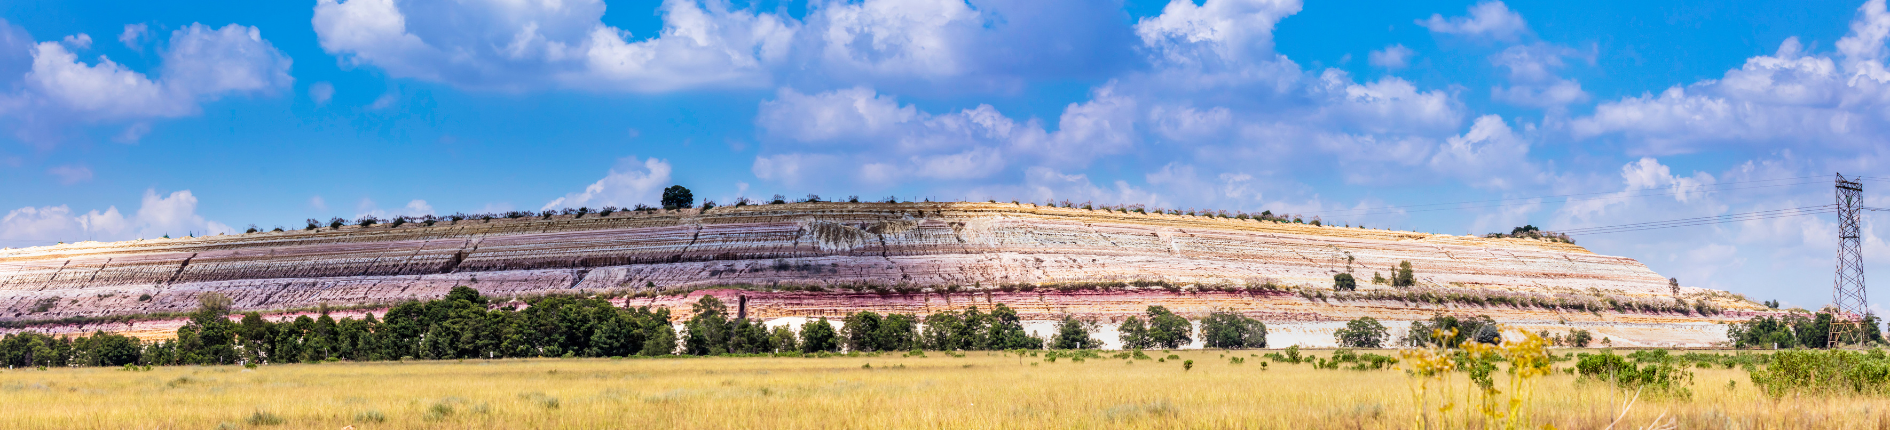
[{"x": 978, "y": 390}]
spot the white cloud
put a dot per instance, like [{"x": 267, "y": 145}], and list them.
[
  {"x": 1815, "y": 102},
  {"x": 897, "y": 37},
  {"x": 158, "y": 215},
  {"x": 71, "y": 174},
  {"x": 318, "y": 203},
  {"x": 321, "y": 93},
  {"x": 133, "y": 133},
  {"x": 200, "y": 64},
  {"x": 510, "y": 45},
  {"x": 78, "y": 42},
  {"x": 1490, "y": 19},
  {"x": 1392, "y": 57},
  {"x": 133, "y": 36},
  {"x": 1490, "y": 155},
  {"x": 1562, "y": 92},
  {"x": 629, "y": 183},
  {"x": 1216, "y": 34}
]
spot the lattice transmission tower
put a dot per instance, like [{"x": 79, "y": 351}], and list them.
[{"x": 1847, "y": 295}]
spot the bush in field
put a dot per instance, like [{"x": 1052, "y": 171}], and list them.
[
  {"x": 1227, "y": 329},
  {"x": 1657, "y": 372},
  {"x": 1579, "y": 338},
  {"x": 1364, "y": 332},
  {"x": 1825, "y": 372},
  {"x": 1454, "y": 331}
]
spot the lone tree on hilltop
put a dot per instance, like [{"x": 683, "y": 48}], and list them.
[{"x": 676, "y": 197}]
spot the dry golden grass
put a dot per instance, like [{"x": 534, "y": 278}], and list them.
[{"x": 981, "y": 390}]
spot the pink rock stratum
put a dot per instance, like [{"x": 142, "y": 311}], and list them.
[{"x": 828, "y": 259}]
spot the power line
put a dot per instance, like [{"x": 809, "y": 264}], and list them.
[
  {"x": 1707, "y": 220},
  {"x": 1596, "y": 193},
  {"x": 1515, "y": 202}
]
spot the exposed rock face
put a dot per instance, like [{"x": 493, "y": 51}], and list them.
[{"x": 815, "y": 259}]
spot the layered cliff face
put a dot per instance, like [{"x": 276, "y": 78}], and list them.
[{"x": 813, "y": 259}]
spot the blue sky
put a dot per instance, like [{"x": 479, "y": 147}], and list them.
[{"x": 121, "y": 120}]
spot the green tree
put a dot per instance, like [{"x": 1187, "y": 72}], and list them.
[
  {"x": 677, "y": 197},
  {"x": 859, "y": 329},
  {"x": 659, "y": 335},
  {"x": 1402, "y": 275},
  {"x": 708, "y": 329},
  {"x": 1228, "y": 329},
  {"x": 897, "y": 332},
  {"x": 209, "y": 337},
  {"x": 942, "y": 331},
  {"x": 1363, "y": 332},
  {"x": 1167, "y": 330},
  {"x": 1133, "y": 333},
  {"x": 785, "y": 340},
  {"x": 1074, "y": 334},
  {"x": 819, "y": 336},
  {"x": 1007, "y": 331},
  {"x": 1344, "y": 282}
]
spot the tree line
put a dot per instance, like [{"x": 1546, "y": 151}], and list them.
[{"x": 465, "y": 324}]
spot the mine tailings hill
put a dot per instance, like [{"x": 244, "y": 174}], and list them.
[{"x": 801, "y": 260}]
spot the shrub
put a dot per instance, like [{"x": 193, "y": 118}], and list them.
[
  {"x": 261, "y": 418},
  {"x": 1658, "y": 374},
  {"x": 1402, "y": 276},
  {"x": 1344, "y": 282},
  {"x": 1825, "y": 372},
  {"x": 336, "y": 222},
  {"x": 1364, "y": 332},
  {"x": 1579, "y": 338},
  {"x": 677, "y": 197}
]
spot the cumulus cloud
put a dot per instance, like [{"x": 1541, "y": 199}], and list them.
[
  {"x": 520, "y": 45},
  {"x": 515, "y": 46},
  {"x": 629, "y": 183},
  {"x": 134, "y": 35},
  {"x": 1215, "y": 35},
  {"x": 1392, "y": 57},
  {"x": 1491, "y": 20},
  {"x": 158, "y": 215},
  {"x": 199, "y": 64},
  {"x": 902, "y": 142},
  {"x": 1791, "y": 97},
  {"x": 1490, "y": 155}
]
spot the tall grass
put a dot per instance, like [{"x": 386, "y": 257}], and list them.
[{"x": 970, "y": 390}]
